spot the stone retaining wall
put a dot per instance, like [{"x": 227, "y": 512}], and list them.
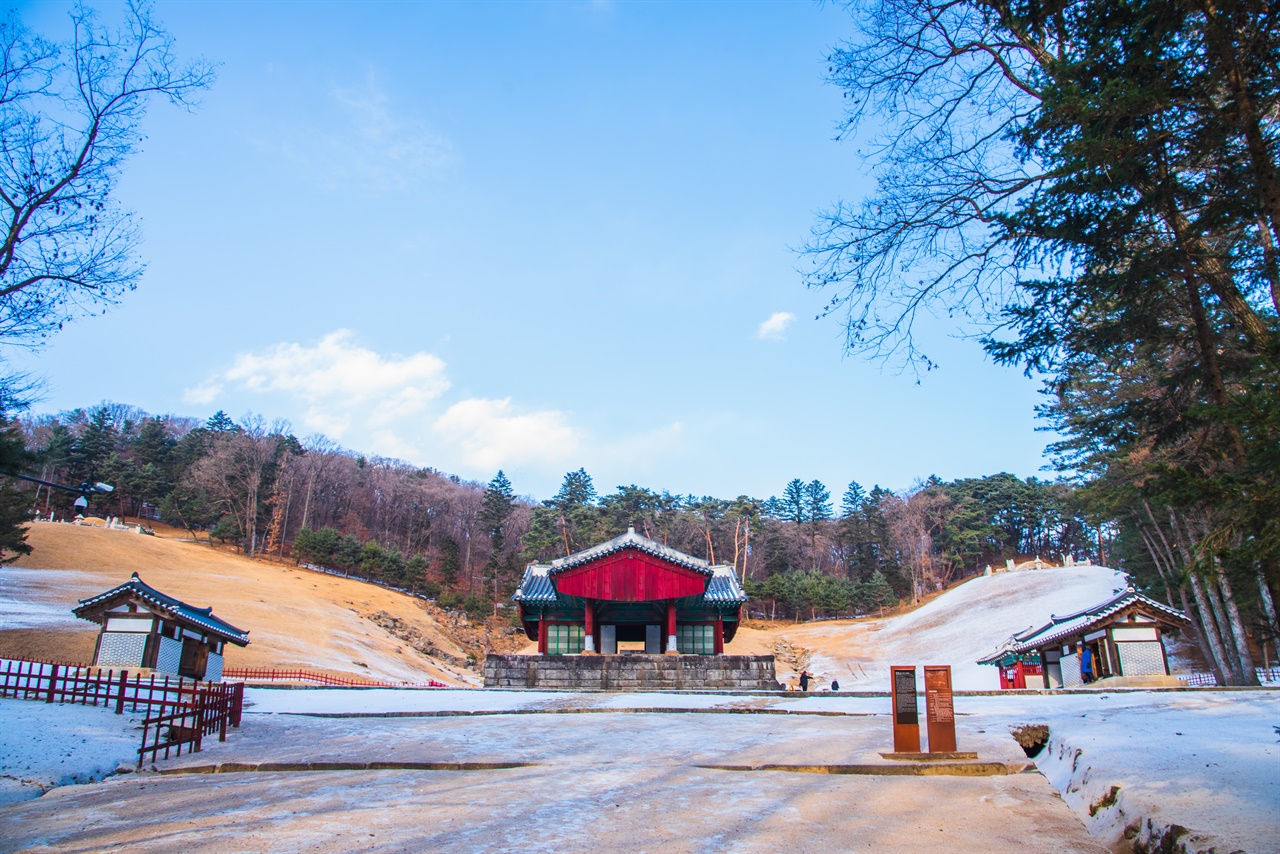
[{"x": 631, "y": 672}]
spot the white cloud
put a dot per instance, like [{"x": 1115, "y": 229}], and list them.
[
  {"x": 491, "y": 434},
  {"x": 339, "y": 382},
  {"x": 775, "y": 328},
  {"x": 399, "y": 406},
  {"x": 368, "y": 145}
]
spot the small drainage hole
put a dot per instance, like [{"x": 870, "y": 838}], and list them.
[{"x": 1032, "y": 738}]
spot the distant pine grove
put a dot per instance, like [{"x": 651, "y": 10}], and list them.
[{"x": 258, "y": 486}]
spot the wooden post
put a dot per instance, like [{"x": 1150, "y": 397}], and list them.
[
  {"x": 673, "y": 647},
  {"x": 53, "y": 680},
  {"x": 124, "y": 680},
  {"x": 719, "y": 634},
  {"x": 589, "y": 629},
  {"x": 542, "y": 634},
  {"x": 906, "y": 714}
]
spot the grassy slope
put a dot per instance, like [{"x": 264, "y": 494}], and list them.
[{"x": 296, "y": 618}]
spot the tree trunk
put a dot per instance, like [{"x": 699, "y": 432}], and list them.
[
  {"x": 1197, "y": 628},
  {"x": 737, "y": 527},
  {"x": 1249, "y": 672},
  {"x": 1224, "y": 631},
  {"x": 1156, "y": 559},
  {"x": 306, "y": 504},
  {"x": 1210, "y": 630},
  {"x": 1269, "y": 608}
]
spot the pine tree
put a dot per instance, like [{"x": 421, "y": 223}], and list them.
[
  {"x": 579, "y": 517},
  {"x": 220, "y": 422},
  {"x": 496, "y": 507},
  {"x": 93, "y": 446},
  {"x": 14, "y": 506},
  {"x": 854, "y": 496},
  {"x": 449, "y": 561},
  {"x": 794, "y": 501}
]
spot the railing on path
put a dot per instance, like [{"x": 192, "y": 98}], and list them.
[
  {"x": 262, "y": 674},
  {"x": 1266, "y": 676},
  {"x": 179, "y": 712}
]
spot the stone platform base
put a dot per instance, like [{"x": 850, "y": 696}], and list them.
[
  {"x": 1134, "y": 682},
  {"x": 631, "y": 672}
]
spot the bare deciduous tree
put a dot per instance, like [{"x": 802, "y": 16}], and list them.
[{"x": 69, "y": 116}]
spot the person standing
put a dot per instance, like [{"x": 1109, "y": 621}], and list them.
[
  {"x": 1086, "y": 662},
  {"x": 804, "y": 680}
]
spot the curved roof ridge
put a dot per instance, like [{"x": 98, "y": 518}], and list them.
[
  {"x": 635, "y": 541},
  {"x": 200, "y": 616},
  {"x": 1083, "y": 620}
]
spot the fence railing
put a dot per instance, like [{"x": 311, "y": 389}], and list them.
[
  {"x": 179, "y": 712},
  {"x": 1266, "y": 676},
  {"x": 259, "y": 674}
]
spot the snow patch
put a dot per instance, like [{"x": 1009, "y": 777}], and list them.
[{"x": 43, "y": 746}]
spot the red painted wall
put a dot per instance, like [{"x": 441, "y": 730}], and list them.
[{"x": 631, "y": 576}]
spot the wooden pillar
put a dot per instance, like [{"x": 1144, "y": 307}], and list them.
[
  {"x": 672, "y": 645},
  {"x": 719, "y": 634},
  {"x": 542, "y": 634},
  {"x": 589, "y": 629}
]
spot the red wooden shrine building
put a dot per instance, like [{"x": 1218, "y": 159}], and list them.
[{"x": 630, "y": 594}]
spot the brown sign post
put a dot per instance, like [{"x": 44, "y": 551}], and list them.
[
  {"x": 939, "y": 709},
  {"x": 906, "y": 715}
]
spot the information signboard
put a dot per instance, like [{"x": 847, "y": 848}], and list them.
[
  {"x": 939, "y": 709},
  {"x": 906, "y": 715}
]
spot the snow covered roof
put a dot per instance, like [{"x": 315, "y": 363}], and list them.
[
  {"x": 631, "y": 540},
  {"x": 1005, "y": 654},
  {"x": 95, "y": 607},
  {"x": 1059, "y": 628}
]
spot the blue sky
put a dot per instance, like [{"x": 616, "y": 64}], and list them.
[{"x": 528, "y": 236}]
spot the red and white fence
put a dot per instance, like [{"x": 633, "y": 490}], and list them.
[
  {"x": 258, "y": 674},
  {"x": 179, "y": 712}
]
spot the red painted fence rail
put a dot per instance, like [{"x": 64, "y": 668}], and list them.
[
  {"x": 179, "y": 712},
  {"x": 259, "y": 674}
]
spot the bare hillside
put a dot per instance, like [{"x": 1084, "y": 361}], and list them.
[{"x": 296, "y": 618}]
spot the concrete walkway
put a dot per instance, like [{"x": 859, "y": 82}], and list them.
[{"x": 601, "y": 781}]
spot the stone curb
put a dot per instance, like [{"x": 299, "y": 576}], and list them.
[
  {"x": 657, "y": 710},
  {"x": 266, "y": 767},
  {"x": 915, "y": 769}
]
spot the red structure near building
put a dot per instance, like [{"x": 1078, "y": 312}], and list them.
[{"x": 630, "y": 594}]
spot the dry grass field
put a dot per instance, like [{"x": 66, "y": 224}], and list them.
[{"x": 296, "y": 617}]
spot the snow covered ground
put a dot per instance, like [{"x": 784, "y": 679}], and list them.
[
  {"x": 37, "y": 598},
  {"x": 43, "y": 746},
  {"x": 1135, "y": 762}
]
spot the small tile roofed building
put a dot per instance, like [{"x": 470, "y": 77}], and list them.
[
  {"x": 629, "y": 591},
  {"x": 144, "y": 628},
  {"x": 1125, "y": 634},
  {"x": 1015, "y": 667}
]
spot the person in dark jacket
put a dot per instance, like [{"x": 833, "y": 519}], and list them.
[
  {"x": 835, "y": 685},
  {"x": 804, "y": 680}
]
